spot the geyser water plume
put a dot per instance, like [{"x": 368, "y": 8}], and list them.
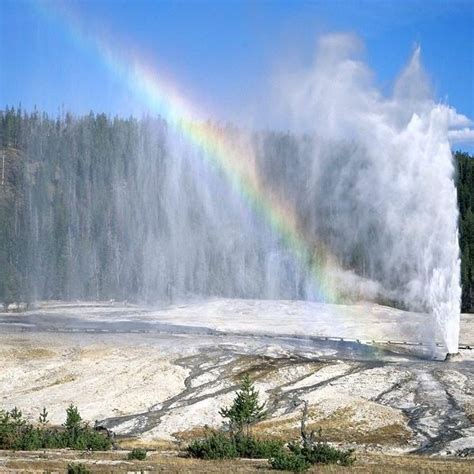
[{"x": 380, "y": 184}]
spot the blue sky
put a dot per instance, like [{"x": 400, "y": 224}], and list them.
[{"x": 223, "y": 54}]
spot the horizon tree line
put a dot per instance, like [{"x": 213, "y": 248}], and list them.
[{"x": 70, "y": 207}]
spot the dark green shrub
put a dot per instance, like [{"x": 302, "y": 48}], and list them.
[
  {"x": 15, "y": 432},
  {"x": 310, "y": 450},
  {"x": 18, "y": 434},
  {"x": 288, "y": 461},
  {"x": 73, "y": 468},
  {"x": 250, "y": 447},
  {"x": 299, "y": 458},
  {"x": 214, "y": 446},
  {"x": 86, "y": 438},
  {"x": 323, "y": 453},
  {"x": 137, "y": 453},
  {"x": 219, "y": 445}
]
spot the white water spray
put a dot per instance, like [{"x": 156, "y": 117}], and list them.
[
  {"x": 381, "y": 178},
  {"x": 138, "y": 212}
]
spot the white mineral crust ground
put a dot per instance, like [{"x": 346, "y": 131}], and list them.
[{"x": 159, "y": 373}]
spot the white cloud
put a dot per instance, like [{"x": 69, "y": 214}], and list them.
[
  {"x": 464, "y": 135},
  {"x": 458, "y": 120}
]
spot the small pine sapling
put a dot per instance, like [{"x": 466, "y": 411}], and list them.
[
  {"x": 245, "y": 410},
  {"x": 43, "y": 417}
]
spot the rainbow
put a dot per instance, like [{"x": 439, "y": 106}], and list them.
[{"x": 162, "y": 97}]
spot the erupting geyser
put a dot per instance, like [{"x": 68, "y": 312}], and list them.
[
  {"x": 358, "y": 202},
  {"x": 382, "y": 178}
]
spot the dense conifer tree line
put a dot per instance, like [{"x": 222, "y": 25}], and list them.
[
  {"x": 57, "y": 206},
  {"x": 465, "y": 182},
  {"x": 70, "y": 207}
]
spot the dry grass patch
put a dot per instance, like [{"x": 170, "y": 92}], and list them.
[
  {"x": 340, "y": 427},
  {"x": 63, "y": 380},
  {"x": 114, "y": 461},
  {"x": 394, "y": 464},
  {"x": 152, "y": 444},
  {"x": 30, "y": 353},
  {"x": 94, "y": 353},
  {"x": 191, "y": 434},
  {"x": 66, "y": 379},
  {"x": 389, "y": 434}
]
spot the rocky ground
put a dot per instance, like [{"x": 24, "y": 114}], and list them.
[{"x": 158, "y": 380}]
